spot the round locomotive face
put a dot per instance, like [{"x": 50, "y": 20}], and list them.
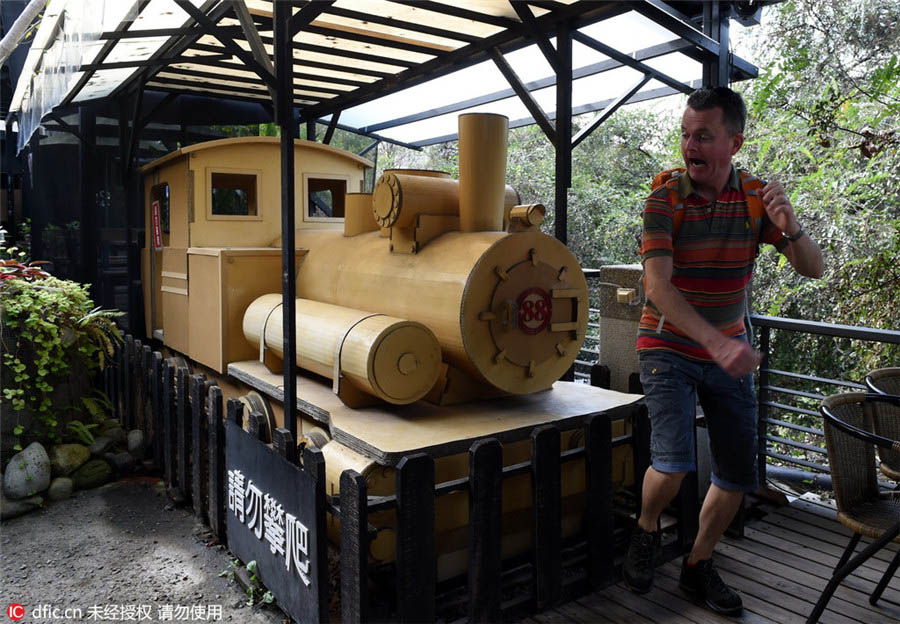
[{"x": 524, "y": 312}]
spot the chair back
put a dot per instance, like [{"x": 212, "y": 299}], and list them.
[
  {"x": 851, "y": 460},
  {"x": 886, "y": 415}
]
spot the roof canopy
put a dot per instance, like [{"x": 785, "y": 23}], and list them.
[{"x": 402, "y": 71}]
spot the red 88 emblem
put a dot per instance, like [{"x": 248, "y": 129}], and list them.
[{"x": 535, "y": 310}]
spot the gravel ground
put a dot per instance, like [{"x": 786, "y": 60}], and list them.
[{"x": 120, "y": 553}]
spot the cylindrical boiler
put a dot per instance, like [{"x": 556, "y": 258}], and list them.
[
  {"x": 394, "y": 359},
  {"x": 508, "y": 309}
]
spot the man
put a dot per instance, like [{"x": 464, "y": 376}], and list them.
[{"x": 691, "y": 340}]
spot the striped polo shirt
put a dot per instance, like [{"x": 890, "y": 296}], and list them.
[{"x": 712, "y": 261}]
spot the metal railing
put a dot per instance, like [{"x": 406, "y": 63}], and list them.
[
  {"x": 791, "y": 441},
  {"x": 790, "y": 425}
]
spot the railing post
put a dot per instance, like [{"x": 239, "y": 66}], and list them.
[
  {"x": 485, "y": 512},
  {"x": 156, "y": 413},
  {"x": 416, "y": 572},
  {"x": 546, "y": 482},
  {"x": 761, "y": 398},
  {"x": 183, "y": 422},
  {"x": 169, "y": 434},
  {"x": 145, "y": 409},
  {"x": 199, "y": 452},
  {"x": 314, "y": 465},
  {"x": 128, "y": 383},
  {"x": 216, "y": 446},
  {"x": 354, "y": 548},
  {"x": 136, "y": 382}
]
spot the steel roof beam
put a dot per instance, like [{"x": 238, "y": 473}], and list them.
[
  {"x": 542, "y": 83},
  {"x": 643, "y": 96},
  {"x": 396, "y": 23},
  {"x": 253, "y": 40},
  {"x": 609, "y": 110},
  {"x": 215, "y": 59},
  {"x": 301, "y": 19},
  {"x": 242, "y": 79},
  {"x": 177, "y": 45},
  {"x": 332, "y": 125},
  {"x": 539, "y": 37},
  {"x": 456, "y": 11},
  {"x": 675, "y": 22},
  {"x": 524, "y": 94},
  {"x": 211, "y": 28},
  {"x": 102, "y": 54},
  {"x": 160, "y": 32},
  {"x": 630, "y": 62},
  {"x": 464, "y": 57}
]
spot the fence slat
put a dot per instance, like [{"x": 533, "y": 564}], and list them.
[
  {"x": 415, "y": 538},
  {"x": 199, "y": 480},
  {"x": 183, "y": 425},
  {"x": 155, "y": 439},
  {"x": 128, "y": 383},
  {"x": 283, "y": 443},
  {"x": 169, "y": 430},
  {"x": 601, "y": 376},
  {"x": 600, "y": 527},
  {"x": 485, "y": 512},
  {"x": 257, "y": 425},
  {"x": 144, "y": 407},
  {"x": 216, "y": 449},
  {"x": 354, "y": 548},
  {"x": 314, "y": 464},
  {"x": 136, "y": 381},
  {"x": 545, "y": 473}
]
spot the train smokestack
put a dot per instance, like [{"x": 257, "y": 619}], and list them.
[{"x": 482, "y": 171}]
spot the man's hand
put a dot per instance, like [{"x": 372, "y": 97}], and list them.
[
  {"x": 736, "y": 357},
  {"x": 779, "y": 208}
]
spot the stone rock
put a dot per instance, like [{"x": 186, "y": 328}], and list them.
[
  {"x": 101, "y": 445},
  {"x": 136, "y": 444},
  {"x": 28, "y": 472},
  {"x": 13, "y": 508},
  {"x": 122, "y": 463},
  {"x": 66, "y": 458},
  {"x": 117, "y": 435},
  {"x": 94, "y": 473},
  {"x": 60, "y": 488}
]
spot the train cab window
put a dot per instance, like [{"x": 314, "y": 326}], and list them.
[
  {"x": 233, "y": 195},
  {"x": 324, "y": 198}
]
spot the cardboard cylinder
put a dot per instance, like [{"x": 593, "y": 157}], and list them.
[
  {"x": 482, "y": 171},
  {"x": 396, "y": 360}
]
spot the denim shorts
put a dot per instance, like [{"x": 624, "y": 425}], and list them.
[{"x": 672, "y": 385}]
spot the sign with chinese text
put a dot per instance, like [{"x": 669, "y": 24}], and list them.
[
  {"x": 272, "y": 519},
  {"x": 157, "y": 230}
]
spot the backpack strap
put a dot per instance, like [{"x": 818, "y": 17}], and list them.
[{"x": 752, "y": 187}]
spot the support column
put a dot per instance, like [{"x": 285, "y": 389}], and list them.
[
  {"x": 716, "y": 26},
  {"x": 563, "y": 129},
  {"x": 87, "y": 162},
  {"x": 284, "y": 117}
]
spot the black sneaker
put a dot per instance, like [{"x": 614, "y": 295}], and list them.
[
  {"x": 637, "y": 572},
  {"x": 704, "y": 584}
]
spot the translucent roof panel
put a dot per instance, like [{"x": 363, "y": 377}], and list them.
[{"x": 394, "y": 70}]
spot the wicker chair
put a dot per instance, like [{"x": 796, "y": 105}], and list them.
[
  {"x": 886, "y": 381},
  {"x": 862, "y": 508}
]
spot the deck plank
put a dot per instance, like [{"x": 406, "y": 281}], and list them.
[{"x": 780, "y": 567}]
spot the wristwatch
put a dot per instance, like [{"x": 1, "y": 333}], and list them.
[{"x": 796, "y": 236}]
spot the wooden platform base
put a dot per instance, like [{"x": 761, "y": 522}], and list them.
[{"x": 388, "y": 432}]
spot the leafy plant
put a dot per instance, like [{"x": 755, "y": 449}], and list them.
[
  {"x": 49, "y": 329},
  {"x": 82, "y": 431}
]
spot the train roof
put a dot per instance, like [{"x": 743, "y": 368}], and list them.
[{"x": 274, "y": 141}]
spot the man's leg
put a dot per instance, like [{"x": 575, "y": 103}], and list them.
[
  {"x": 719, "y": 508},
  {"x": 668, "y": 381},
  {"x": 658, "y": 491}
]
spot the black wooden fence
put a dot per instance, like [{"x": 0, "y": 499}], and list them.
[{"x": 183, "y": 415}]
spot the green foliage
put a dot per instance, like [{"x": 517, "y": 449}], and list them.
[
  {"x": 49, "y": 326},
  {"x": 82, "y": 431}
]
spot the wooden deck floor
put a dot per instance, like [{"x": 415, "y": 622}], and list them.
[{"x": 780, "y": 568}]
